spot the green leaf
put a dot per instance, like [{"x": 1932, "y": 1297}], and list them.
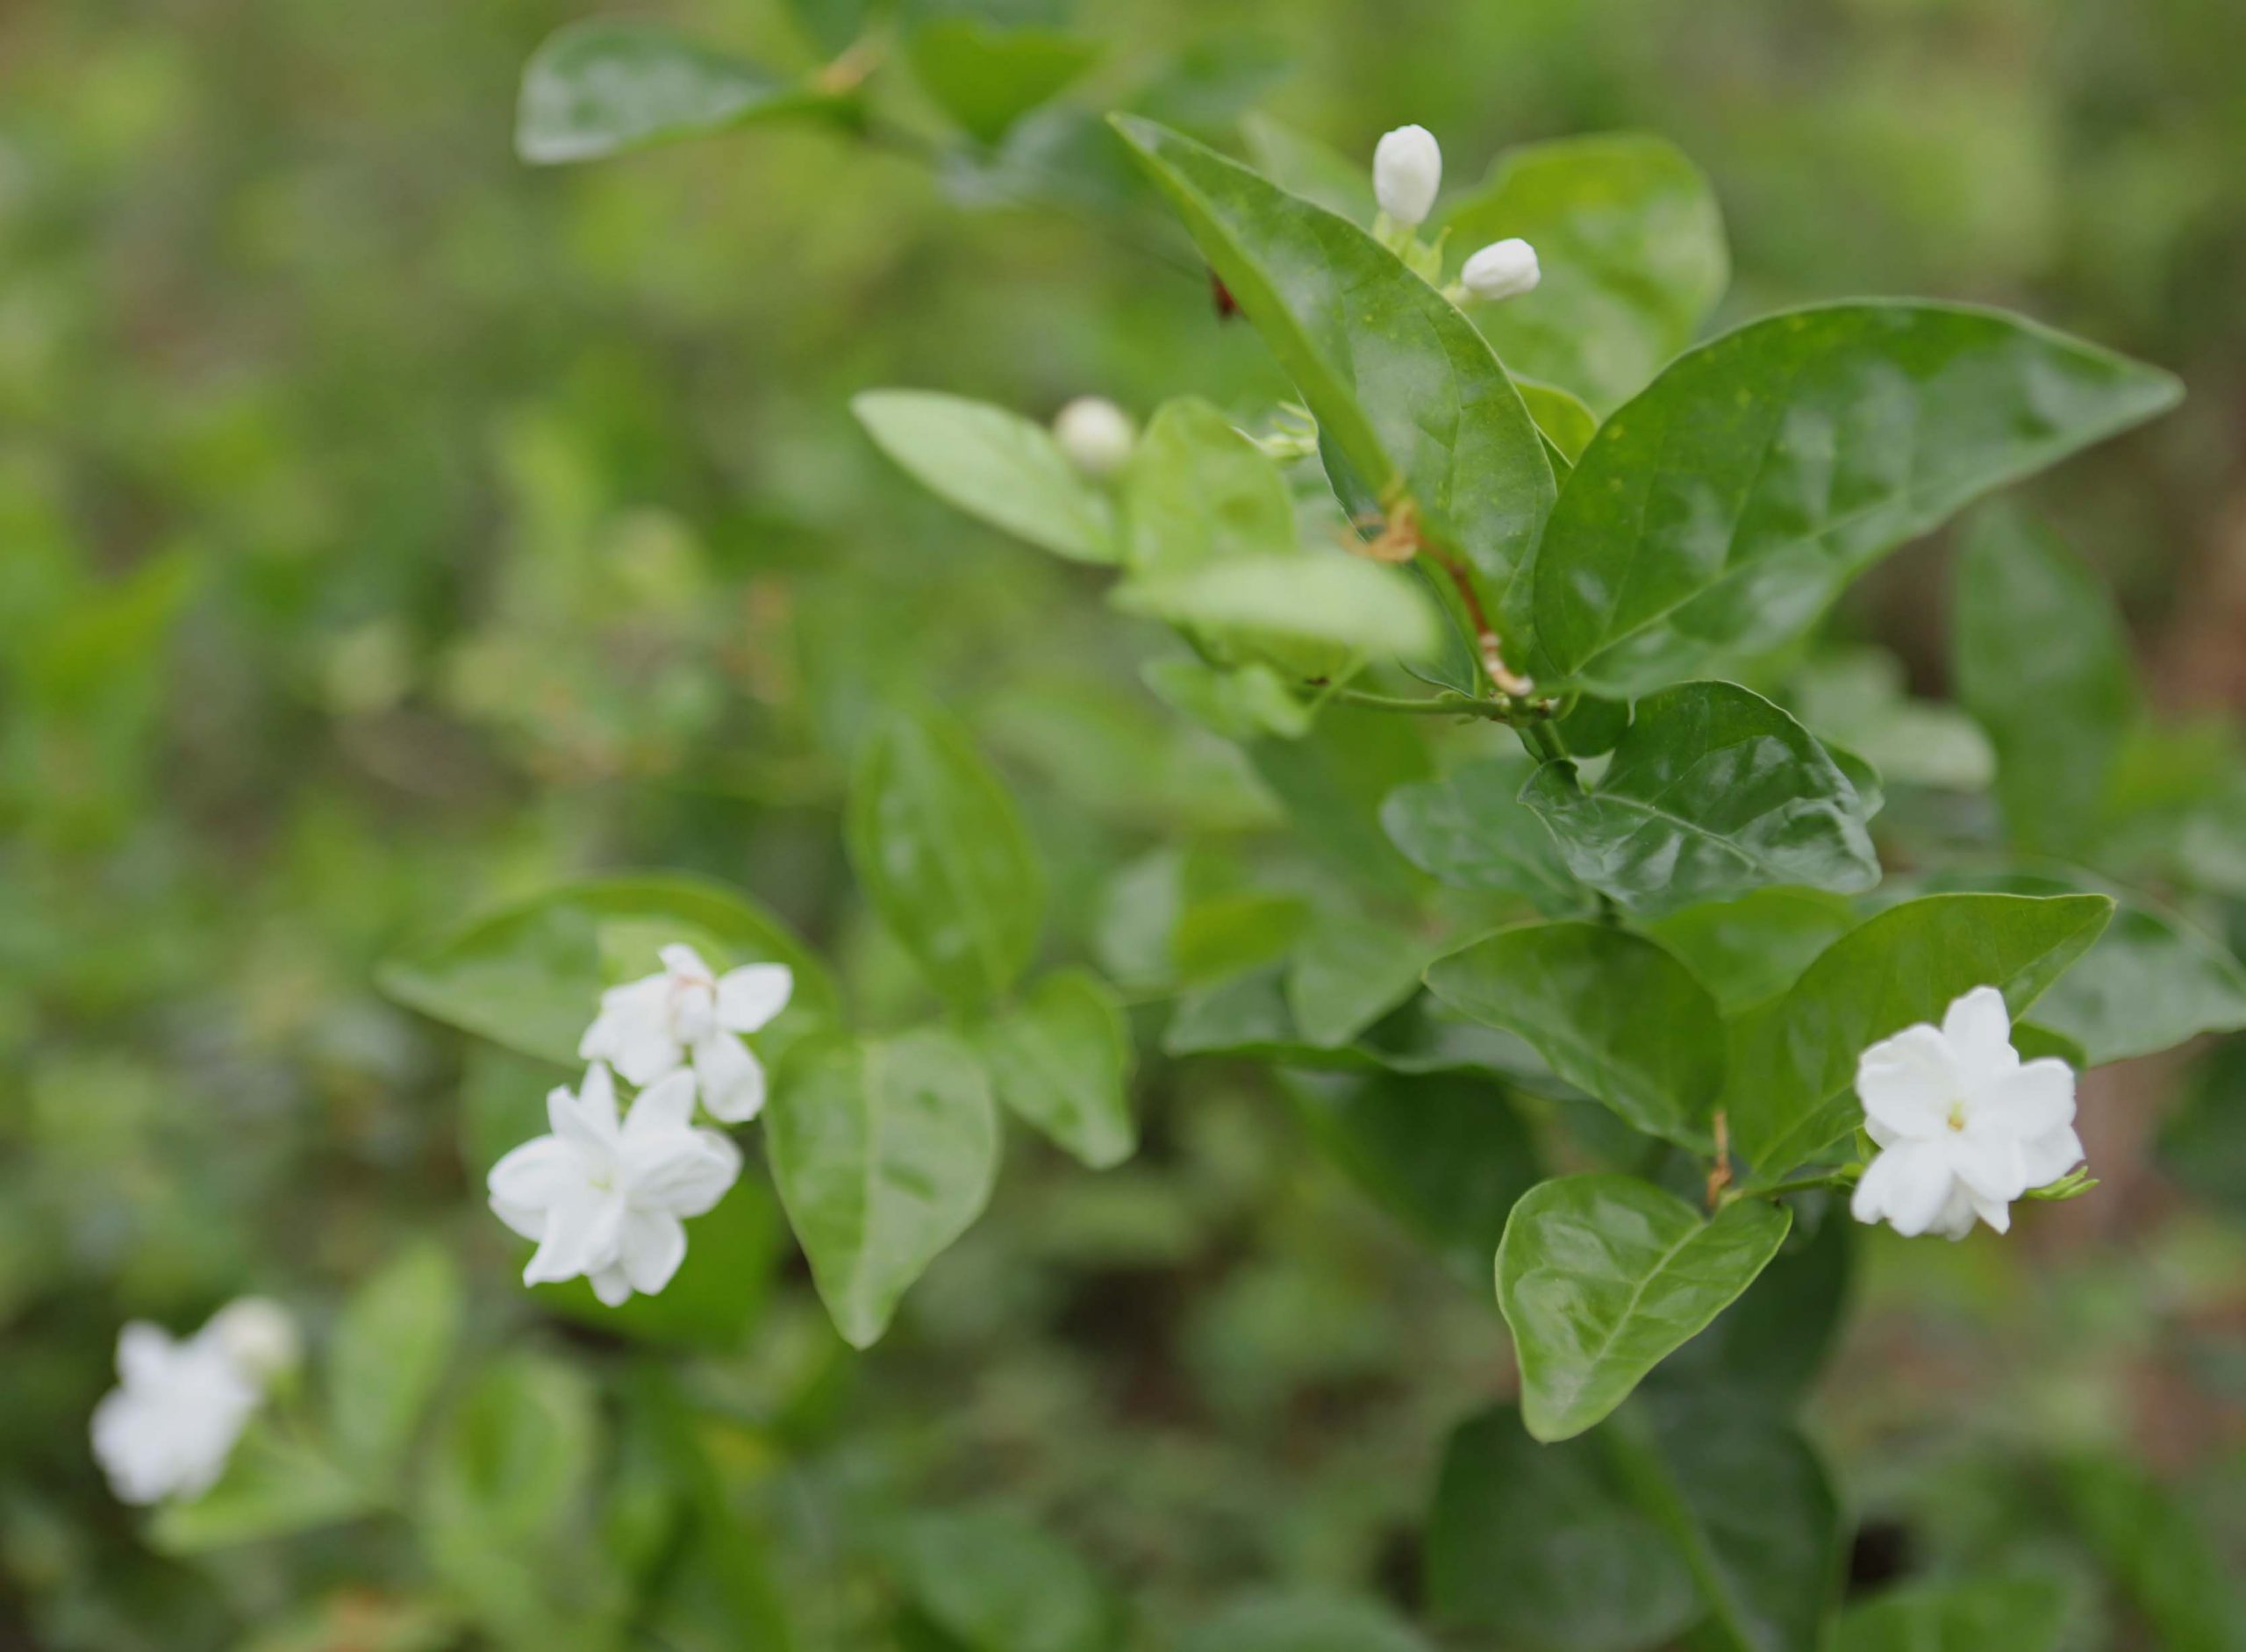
[
  {"x": 2161, "y": 1556},
  {"x": 1990, "y": 1614},
  {"x": 272, "y": 1488},
  {"x": 1767, "y": 1348},
  {"x": 1560, "y": 415},
  {"x": 1444, "y": 1153},
  {"x": 996, "y": 1584},
  {"x": 1794, "y": 1058},
  {"x": 1403, "y": 388},
  {"x": 529, "y": 976},
  {"x": 1302, "y": 1622},
  {"x": 1602, "y": 1277},
  {"x": 1858, "y": 696},
  {"x": 1303, "y": 165},
  {"x": 831, "y": 26},
  {"x": 987, "y": 78},
  {"x": 391, "y": 1344},
  {"x": 1197, "y": 492},
  {"x": 610, "y": 85},
  {"x": 1062, "y": 1059},
  {"x": 1631, "y": 244},
  {"x": 1336, "y": 599},
  {"x": 2042, "y": 662},
  {"x": 1536, "y": 1546},
  {"x": 516, "y": 1452},
  {"x": 1713, "y": 792},
  {"x": 1748, "y": 1505},
  {"x": 1614, "y": 1014},
  {"x": 1470, "y": 830},
  {"x": 1752, "y": 948},
  {"x": 943, "y": 857},
  {"x": 1347, "y": 972},
  {"x": 719, "y": 1290},
  {"x": 1724, "y": 508},
  {"x": 1333, "y": 782},
  {"x": 994, "y": 465},
  {"x": 884, "y": 1153},
  {"x": 1245, "y": 703}
]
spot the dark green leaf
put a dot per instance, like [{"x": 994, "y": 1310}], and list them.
[
  {"x": 2000, "y": 1614},
  {"x": 1766, "y": 1349},
  {"x": 1602, "y": 1277},
  {"x": 1614, "y": 1014},
  {"x": 884, "y": 1153},
  {"x": 1723, "y": 509},
  {"x": 988, "y": 78},
  {"x": 994, "y": 465},
  {"x": 1713, "y": 792},
  {"x": 944, "y": 858},
  {"x": 1751, "y": 948},
  {"x": 606, "y": 85},
  {"x": 1470, "y": 830},
  {"x": 1062, "y": 1059},
  {"x": 1794, "y": 1058},
  {"x": 1632, "y": 248},
  {"x": 389, "y": 1351}
]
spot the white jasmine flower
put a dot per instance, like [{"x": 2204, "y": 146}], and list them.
[
  {"x": 650, "y": 1028},
  {"x": 167, "y": 1428},
  {"x": 605, "y": 1198},
  {"x": 259, "y": 1336},
  {"x": 1503, "y": 269},
  {"x": 1407, "y": 172},
  {"x": 1096, "y": 435},
  {"x": 1965, "y": 1126}
]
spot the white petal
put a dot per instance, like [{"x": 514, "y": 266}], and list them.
[
  {"x": 587, "y": 1117},
  {"x": 529, "y": 1220},
  {"x": 647, "y": 1048},
  {"x": 1991, "y": 1162},
  {"x": 2033, "y": 1100},
  {"x": 1995, "y": 1212},
  {"x": 733, "y": 1079},
  {"x": 665, "y": 1105},
  {"x": 683, "y": 1175},
  {"x": 1979, "y": 1030},
  {"x": 654, "y": 1244},
  {"x": 1907, "y": 1083},
  {"x": 1955, "y": 1220},
  {"x": 1907, "y": 1185},
  {"x": 2051, "y": 1155},
  {"x": 680, "y": 958},
  {"x": 582, "y": 1236},
  {"x": 144, "y": 1353},
  {"x": 541, "y": 1172},
  {"x": 749, "y": 997},
  {"x": 626, "y": 1012},
  {"x": 613, "y": 1285}
]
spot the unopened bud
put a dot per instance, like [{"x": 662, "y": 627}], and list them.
[
  {"x": 1503, "y": 269},
  {"x": 258, "y": 1338},
  {"x": 1095, "y": 434},
  {"x": 1407, "y": 172}
]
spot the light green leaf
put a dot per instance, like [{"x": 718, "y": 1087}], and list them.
[
  {"x": 529, "y": 976},
  {"x": 1223, "y": 934},
  {"x": 1244, "y": 704},
  {"x": 1858, "y": 696},
  {"x": 1990, "y": 1614},
  {"x": 1794, "y": 1058},
  {"x": 1060, "y": 1058},
  {"x": 1614, "y": 1014},
  {"x": 2042, "y": 662},
  {"x": 1354, "y": 604},
  {"x": 1713, "y": 792},
  {"x": 389, "y": 1351},
  {"x": 986, "y": 78},
  {"x": 1347, "y": 972},
  {"x": 610, "y": 85},
  {"x": 994, "y": 465},
  {"x": 943, "y": 857},
  {"x": 1536, "y": 1546},
  {"x": 1631, "y": 244},
  {"x": 1751, "y": 948},
  {"x": 1560, "y": 415},
  {"x": 515, "y": 1454},
  {"x": 1403, "y": 390},
  {"x": 1198, "y": 492},
  {"x": 1723, "y": 509},
  {"x": 1304, "y": 1622},
  {"x": 1470, "y": 830},
  {"x": 1602, "y": 1277},
  {"x": 996, "y": 1584},
  {"x": 271, "y": 1488},
  {"x": 884, "y": 1153},
  {"x": 1305, "y": 166},
  {"x": 1748, "y": 1505}
]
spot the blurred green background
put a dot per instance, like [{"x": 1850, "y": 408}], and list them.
[{"x": 387, "y": 528}]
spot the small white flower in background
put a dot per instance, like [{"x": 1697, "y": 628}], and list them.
[
  {"x": 167, "y": 1428},
  {"x": 605, "y": 1196},
  {"x": 1096, "y": 435},
  {"x": 650, "y": 1028},
  {"x": 258, "y": 1335},
  {"x": 1963, "y": 1126},
  {"x": 1503, "y": 269},
  {"x": 1407, "y": 173}
]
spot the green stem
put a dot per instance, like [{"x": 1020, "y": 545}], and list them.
[
  {"x": 1441, "y": 705},
  {"x": 1800, "y": 1185},
  {"x": 1542, "y": 742}
]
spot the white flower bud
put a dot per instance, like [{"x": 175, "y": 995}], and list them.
[
  {"x": 1407, "y": 172},
  {"x": 257, "y": 1337},
  {"x": 1096, "y": 434},
  {"x": 1503, "y": 269}
]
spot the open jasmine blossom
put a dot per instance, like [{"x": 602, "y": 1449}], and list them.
[
  {"x": 1964, "y": 1127},
  {"x": 651, "y": 1027},
  {"x": 166, "y": 1430}
]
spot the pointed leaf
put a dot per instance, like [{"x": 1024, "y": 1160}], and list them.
[
  {"x": 986, "y": 78},
  {"x": 1560, "y": 416},
  {"x": 606, "y": 85},
  {"x": 992, "y": 464},
  {"x": 1602, "y": 1277},
  {"x": 1347, "y": 972},
  {"x": 391, "y": 1345},
  {"x": 1470, "y": 830},
  {"x": 1755, "y": 947},
  {"x": 1356, "y": 605},
  {"x": 1060, "y": 1058}
]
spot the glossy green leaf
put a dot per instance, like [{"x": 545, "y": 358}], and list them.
[
  {"x": 1724, "y": 508},
  {"x": 1792, "y": 1091},
  {"x": 1767, "y": 1348},
  {"x": 1403, "y": 388},
  {"x": 1713, "y": 792},
  {"x": 995, "y": 1582},
  {"x": 391, "y": 1347},
  {"x": 1536, "y": 1546},
  {"x": 1359, "y": 606},
  {"x": 1470, "y": 830},
  {"x": 1631, "y": 244},
  {"x": 1602, "y": 1277},
  {"x": 1303, "y": 165},
  {"x": 1198, "y": 492},
  {"x": 610, "y": 85},
  {"x": 1614, "y": 1014},
  {"x": 987, "y": 78},
  {"x": 529, "y": 976},
  {"x": 1302, "y": 1622},
  {"x": 1445, "y": 1154},
  {"x": 1748, "y": 1505},
  {"x": 1060, "y": 1058},
  {"x": 884, "y": 1153},
  {"x": 994, "y": 465},
  {"x": 272, "y": 1488},
  {"x": 1347, "y": 972},
  {"x": 1999, "y": 1614},
  {"x": 943, "y": 857},
  {"x": 2042, "y": 663},
  {"x": 1757, "y": 946},
  {"x": 1566, "y": 422}
]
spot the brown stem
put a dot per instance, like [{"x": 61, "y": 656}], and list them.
[
  {"x": 1486, "y": 634},
  {"x": 1719, "y": 1176}
]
